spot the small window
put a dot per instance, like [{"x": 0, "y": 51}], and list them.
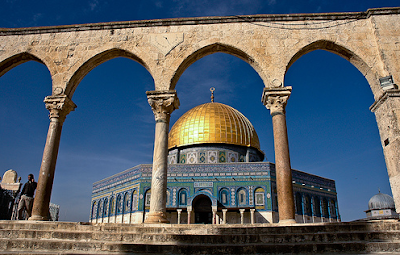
[
  {"x": 105, "y": 208},
  {"x": 112, "y": 206},
  {"x": 224, "y": 197},
  {"x": 242, "y": 197},
  {"x": 259, "y": 196},
  {"x": 134, "y": 200},
  {"x": 127, "y": 203},
  {"x": 147, "y": 199},
  {"x": 182, "y": 197}
]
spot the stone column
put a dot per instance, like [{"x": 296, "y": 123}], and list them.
[
  {"x": 189, "y": 212},
  {"x": 224, "y": 216},
  {"x": 214, "y": 216},
  {"x": 387, "y": 114},
  {"x": 179, "y": 215},
  {"x": 252, "y": 215},
  {"x": 275, "y": 100},
  {"x": 241, "y": 215},
  {"x": 163, "y": 103},
  {"x": 59, "y": 107}
]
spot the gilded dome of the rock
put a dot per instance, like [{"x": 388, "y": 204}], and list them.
[{"x": 213, "y": 123}]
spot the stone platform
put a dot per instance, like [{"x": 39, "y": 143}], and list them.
[{"x": 26, "y": 237}]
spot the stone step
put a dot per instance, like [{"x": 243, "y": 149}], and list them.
[
  {"x": 97, "y": 247},
  {"x": 86, "y": 238},
  {"x": 202, "y": 229},
  {"x": 318, "y": 237}
]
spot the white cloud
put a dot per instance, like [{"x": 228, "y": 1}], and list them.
[{"x": 93, "y": 4}]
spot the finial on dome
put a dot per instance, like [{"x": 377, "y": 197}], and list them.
[{"x": 212, "y": 94}]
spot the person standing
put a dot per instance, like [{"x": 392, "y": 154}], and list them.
[{"x": 26, "y": 200}]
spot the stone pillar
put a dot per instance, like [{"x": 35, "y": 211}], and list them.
[
  {"x": 224, "y": 216},
  {"x": 189, "y": 212},
  {"x": 387, "y": 114},
  {"x": 241, "y": 216},
  {"x": 59, "y": 107},
  {"x": 214, "y": 216},
  {"x": 163, "y": 103},
  {"x": 252, "y": 215},
  {"x": 275, "y": 100},
  {"x": 179, "y": 215}
]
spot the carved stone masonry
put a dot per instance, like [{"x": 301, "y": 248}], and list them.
[
  {"x": 59, "y": 106},
  {"x": 275, "y": 99},
  {"x": 163, "y": 103}
]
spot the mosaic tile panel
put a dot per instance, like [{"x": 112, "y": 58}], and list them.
[
  {"x": 232, "y": 157},
  {"x": 212, "y": 157},
  {"x": 192, "y": 158},
  {"x": 182, "y": 159},
  {"x": 202, "y": 157},
  {"x": 222, "y": 157}
]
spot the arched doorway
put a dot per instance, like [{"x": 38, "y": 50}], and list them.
[{"x": 202, "y": 209}]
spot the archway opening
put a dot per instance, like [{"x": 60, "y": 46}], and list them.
[
  {"x": 202, "y": 209},
  {"x": 111, "y": 130},
  {"x": 332, "y": 132}
]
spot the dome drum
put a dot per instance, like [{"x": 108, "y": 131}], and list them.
[{"x": 213, "y": 153}]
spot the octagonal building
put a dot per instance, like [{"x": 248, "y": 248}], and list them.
[{"x": 216, "y": 175}]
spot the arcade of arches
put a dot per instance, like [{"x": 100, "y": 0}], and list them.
[{"x": 269, "y": 43}]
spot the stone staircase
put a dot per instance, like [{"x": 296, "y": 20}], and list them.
[{"x": 26, "y": 237}]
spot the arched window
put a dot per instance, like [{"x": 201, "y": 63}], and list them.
[
  {"x": 259, "y": 196},
  {"x": 317, "y": 207},
  {"x": 112, "y": 206},
  {"x": 99, "y": 209},
  {"x": 224, "y": 199},
  {"x": 307, "y": 205},
  {"x": 119, "y": 204},
  {"x": 182, "y": 197},
  {"x": 324, "y": 205},
  {"x": 134, "y": 200},
  {"x": 299, "y": 204},
  {"x": 147, "y": 198},
  {"x": 127, "y": 203},
  {"x": 94, "y": 210},
  {"x": 242, "y": 196},
  {"x": 332, "y": 208},
  {"x": 105, "y": 208}
]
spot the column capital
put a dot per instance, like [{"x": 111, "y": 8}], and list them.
[
  {"x": 163, "y": 103},
  {"x": 59, "y": 106},
  {"x": 275, "y": 99}
]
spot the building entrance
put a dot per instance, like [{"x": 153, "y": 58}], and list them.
[{"x": 202, "y": 210}]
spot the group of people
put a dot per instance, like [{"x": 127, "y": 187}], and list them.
[{"x": 26, "y": 198}]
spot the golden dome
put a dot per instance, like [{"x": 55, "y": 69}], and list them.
[{"x": 213, "y": 123}]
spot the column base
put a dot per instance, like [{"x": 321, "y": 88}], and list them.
[
  {"x": 156, "y": 217},
  {"x": 38, "y": 218},
  {"x": 287, "y": 222}
]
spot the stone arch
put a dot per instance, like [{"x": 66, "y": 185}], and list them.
[
  {"x": 211, "y": 49},
  {"x": 368, "y": 72},
  {"x": 95, "y": 61},
  {"x": 17, "y": 59}
]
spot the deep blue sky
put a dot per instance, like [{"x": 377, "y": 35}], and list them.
[{"x": 332, "y": 133}]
